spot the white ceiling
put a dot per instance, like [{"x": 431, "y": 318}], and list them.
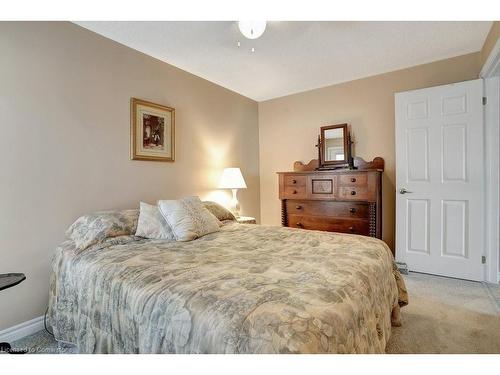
[{"x": 294, "y": 56}]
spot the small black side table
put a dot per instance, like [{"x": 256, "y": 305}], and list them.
[{"x": 8, "y": 280}]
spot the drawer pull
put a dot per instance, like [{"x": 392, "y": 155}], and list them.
[
  {"x": 294, "y": 192},
  {"x": 352, "y": 210},
  {"x": 353, "y": 179},
  {"x": 351, "y": 229},
  {"x": 294, "y": 181},
  {"x": 298, "y": 207},
  {"x": 299, "y": 224},
  {"x": 353, "y": 192}
]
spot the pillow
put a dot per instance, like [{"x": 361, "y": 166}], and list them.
[
  {"x": 152, "y": 224},
  {"x": 188, "y": 218},
  {"x": 219, "y": 211},
  {"x": 90, "y": 229}
]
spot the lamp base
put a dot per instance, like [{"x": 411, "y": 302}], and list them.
[{"x": 235, "y": 205}]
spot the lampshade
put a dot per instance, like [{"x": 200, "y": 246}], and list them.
[{"x": 232, "y": 179}]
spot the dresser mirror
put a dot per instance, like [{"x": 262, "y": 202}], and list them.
[{"x": 334, "y": 146}]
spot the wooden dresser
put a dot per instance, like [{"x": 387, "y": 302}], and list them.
[{"x": 343, "y": 200}]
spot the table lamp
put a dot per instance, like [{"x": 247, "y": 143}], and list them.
[{"x": 233, "y": 179}]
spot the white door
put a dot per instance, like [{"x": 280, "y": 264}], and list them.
[{"x": 440, "y": 180}]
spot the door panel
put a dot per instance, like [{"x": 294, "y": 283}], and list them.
[
  {"x": 454, "y": 105},
  {"x": 440, "y": 163},
  {"x": 417, "y": 109},
  {"x": 455, "y": 222},
  {"x": 418, "y": 225},
  {"x": 417, "y": 154},
  {"x": 454, "y": 152}
]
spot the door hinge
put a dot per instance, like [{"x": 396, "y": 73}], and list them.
[
  {"x": 483, "y": 259},
  {"x": 485, "y": 100}
]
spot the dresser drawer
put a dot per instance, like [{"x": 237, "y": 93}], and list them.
[
  {"x": 295, "y": 180},
  {"x": 355, "y": 193},
  {"x": 345, "y": 201},
  {"x": 353, "y": 180},
  {"x": 297, "y": 192},
  {"x": 331, "y": 209},
  {"x": 329, "y": 224}
]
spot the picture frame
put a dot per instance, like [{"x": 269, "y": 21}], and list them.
[{"x": 152, "y": 131}]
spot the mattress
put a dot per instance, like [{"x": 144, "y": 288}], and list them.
[{"x": 245, "y": 289}]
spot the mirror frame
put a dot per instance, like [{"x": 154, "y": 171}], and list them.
[{"x": 334, "y": 163}]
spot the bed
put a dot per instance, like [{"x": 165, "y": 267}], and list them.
[{"x": 245, "y": 289}]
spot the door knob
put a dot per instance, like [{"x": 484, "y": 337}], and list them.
[{"x": 404, "y": 191}]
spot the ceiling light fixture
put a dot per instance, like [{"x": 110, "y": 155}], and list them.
[{"x": 252, "y": 29}]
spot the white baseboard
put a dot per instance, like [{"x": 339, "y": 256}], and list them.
[{"x": 22, "y": 330}]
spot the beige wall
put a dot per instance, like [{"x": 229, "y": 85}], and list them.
[
  {"x": 64, "y": 120},
  {"x": 490, "y": 42},
  {"x": 289, "y": 126}
]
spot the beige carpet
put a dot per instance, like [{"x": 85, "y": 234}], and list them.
[{"x": 448, "y": 316}]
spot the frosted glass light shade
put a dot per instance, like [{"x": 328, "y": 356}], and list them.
[
  {"x": 252, "y": 29},
  {"x": 232, "y": 179}
]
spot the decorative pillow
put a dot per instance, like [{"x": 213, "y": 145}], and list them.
[
  {"x": 152, "y": 224},
  {"x": 219, "y": 211},
  {"x": 188, "y": 218},
  {"x": 90, "y": 229}
]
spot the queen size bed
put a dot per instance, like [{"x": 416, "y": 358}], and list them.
[{"x": 244, "y": 289}]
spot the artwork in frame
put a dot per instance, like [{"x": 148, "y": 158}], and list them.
[{"x": 152, "y": 131}]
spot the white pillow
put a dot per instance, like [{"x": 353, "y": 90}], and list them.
[
  {"x": 188, "y": 218},
  {"x": 151, "y": 224}
]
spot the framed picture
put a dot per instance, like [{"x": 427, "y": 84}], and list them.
[{"x": 152, "y": 131}]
